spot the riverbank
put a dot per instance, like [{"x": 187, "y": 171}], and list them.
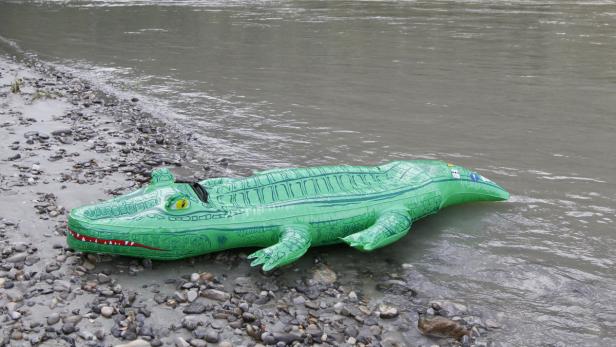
[{"x": 65, "y": 144}]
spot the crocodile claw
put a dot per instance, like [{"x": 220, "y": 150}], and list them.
[{"x": 268, "y": 257}]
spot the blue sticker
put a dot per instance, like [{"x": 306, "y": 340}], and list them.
[{"x": 475, "y": 177}]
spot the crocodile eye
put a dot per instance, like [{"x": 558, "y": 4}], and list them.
[{"x": 178, "y": 203}]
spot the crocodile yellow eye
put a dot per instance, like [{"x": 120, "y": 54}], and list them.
[{"x": 178, "y": 203}]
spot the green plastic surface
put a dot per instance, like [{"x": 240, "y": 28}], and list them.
[{"x": 285, "y": 211}]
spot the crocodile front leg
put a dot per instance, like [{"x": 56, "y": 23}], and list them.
[
  {"x": 391, "y": 226},
  {"x": 293, "y": 242}
]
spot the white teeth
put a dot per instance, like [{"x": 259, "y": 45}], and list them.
[
  {"x": 125, "y": 243},
  {"x": 132, "y": 243}
]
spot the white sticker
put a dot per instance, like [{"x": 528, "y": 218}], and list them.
[
  {"x": 455, "y": 173},
  {"x": 485, "y": 179}
]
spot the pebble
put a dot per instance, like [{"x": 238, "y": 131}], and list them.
[
  {"x": 107, "y": 311},
  {"x": 387, "y": 312},
  {"x": 14, "y": 315},
  {"x": 68, "y": 328},
  {"x": 492, "y": 324},
  {"x": 211, "y": 336},
  {"x": 353, "y": 296},
  {"x": 135, "y": 343},
  {"x": 180, "y": 342},
  {"x": 198, "y": 343},
  {"x": 195, "y": 308},
  {"x": 192, "y": 295},
  {"x": 17, "y": 258},
  {"x": 215, "y": 294},
  {"x": 324, "y": 275},
  {"x": 14, "y": 157},
  {"x": 53, "y": 318}
]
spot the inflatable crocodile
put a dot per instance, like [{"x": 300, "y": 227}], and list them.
[{"x": 286, "y": 211}]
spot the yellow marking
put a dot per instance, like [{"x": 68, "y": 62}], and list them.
[{"x": 181, "y": 204}]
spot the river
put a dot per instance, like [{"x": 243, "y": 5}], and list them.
[{"x": 522, "y": 91}]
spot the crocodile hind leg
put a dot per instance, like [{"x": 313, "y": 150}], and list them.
[
  {"x": 388, "y": 228},
  {"x": 293, "y": 242}
]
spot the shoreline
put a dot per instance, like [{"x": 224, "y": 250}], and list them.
[{"x": 66, "y": 144}]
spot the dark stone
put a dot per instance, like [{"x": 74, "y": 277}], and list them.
[
  {"x": 29, "y": 134},
  {"x": 212, "y": 336},
  {"x": 195, "y": 308},
  {"x": 62, "y": 132},
  {"x": 68, "y": 328}
]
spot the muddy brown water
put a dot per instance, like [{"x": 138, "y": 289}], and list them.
[{"x": 523, "y": 91}]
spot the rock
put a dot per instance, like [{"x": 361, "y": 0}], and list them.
[
  {"x": 353, "y": 296},
  {"x": 51, "y": 267},
  {"x": 102, "y": 278},
  {"x": 206, "y": 276},
  {"x": 396, "y": 287},
  {"x": 180, "y": 342},
  {"x": 248, "y": 317},
  {"x": 466, "y": 341},
  {"x": 195, "y": 308},
  {"x": 225, "y": 344},
  {"x": 147, "y": 263},
  {"x": 299, "y": 300},
  {"x": 30, "y": 134},
  {"x": 215, "y": 294},
  {"x": 194, "y": 277},
  {"x": 135, "y": 343},
  {"x": 190, "y": 323},
  {"x": 61, "y": 286},
  {"x": 14, "y": 315},
  {"x": 89, "y": 265},
  {"x": 212, "y": 336},
  {"x": 14, "y": 295},
  {"x": 324, "y": 275},
  {"x": 449, "y": 308},
  {"x": 100, "y": 334},
  {"x": 198, "y": 343},
  {"x": 286, "y": 338},
  {"x": 17, "y": 258},
  {"x": 192, "y": 295},
  {"x": 387, "y": 312},
  {"x": 107, "y": 311},
  {"x": 440, "y": 326},
  {"x": 14, "y": 157},
  {"x": 350, "y": 331},
  {"x": 68, "y": 328},
  {"x": 492, "y": 324},
  {"x": 61, "y": 132},
  {"x": 53, "y": 318}
]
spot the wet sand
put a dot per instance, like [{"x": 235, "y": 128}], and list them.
[{"x": 65, "y": 144}]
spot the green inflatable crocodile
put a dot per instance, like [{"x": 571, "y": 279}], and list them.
[{"x": 286, "y": 211}]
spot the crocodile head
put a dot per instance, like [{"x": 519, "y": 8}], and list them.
[
  {"x": 465, "y": 185},
  {"x": 142, "y": 223}
]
